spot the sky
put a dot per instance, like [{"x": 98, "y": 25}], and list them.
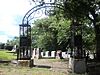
[{"x": 11, "y": 14}]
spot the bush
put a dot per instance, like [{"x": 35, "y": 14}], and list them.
[{"x": 8, "y": 47}]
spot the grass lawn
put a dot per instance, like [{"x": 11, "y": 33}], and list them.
[
  {"x": 9, "y": 70},
  {"x": 12, "y": 69},
  {"x": 6, "y": 55}
]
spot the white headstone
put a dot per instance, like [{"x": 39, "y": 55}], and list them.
[
  {"x": 64, "y": 54},
  {"x": 14, "y": 48},
  {"x": 38, "y": 53},
  {"x": 42, "y": 54},
  {"x": 53, "y": 53},
  {"x": 34, "y": 53},
  {"x": 47, "y": 54}
]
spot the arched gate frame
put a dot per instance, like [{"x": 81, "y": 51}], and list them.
[{"x": 25, "y": 52}]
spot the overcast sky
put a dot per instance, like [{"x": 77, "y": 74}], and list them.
[{"x": 11, "y": 14}]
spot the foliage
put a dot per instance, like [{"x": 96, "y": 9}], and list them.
[
  {"x": 14, "y": 41},
  {"x": 2, "y": 45},
  {"x": 88, "y": 38},
  {"x": 8, "y": 47},
  {"x": 50, "y": 32},
  {"x": 85, "y": 11}
]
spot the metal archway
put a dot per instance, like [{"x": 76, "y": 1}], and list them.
[
  {"x": 25, "y": 52},
  {"x": 45, "y": 6}
]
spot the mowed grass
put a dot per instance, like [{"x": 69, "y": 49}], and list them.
[
  {"x": 6, "y": 55},
  {"x": 8, "y": 69},
  {"x": 13, "y": 69}
]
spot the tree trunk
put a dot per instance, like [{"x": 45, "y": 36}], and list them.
[
  {"x": 96, "y": 24},
  {"x": 97, "y": 33}
]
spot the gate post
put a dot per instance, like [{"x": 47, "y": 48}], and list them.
[
  {"x": 24, "y": 53},
  {"x": 77, "y": 61}
]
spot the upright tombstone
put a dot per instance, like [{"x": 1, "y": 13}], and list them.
[
  {"x": 14, "y": 48},
  {"x": 38, "y": 53},
  {"x": 64, "y": 55},
  {"x": 42, "y": 54},
  {"x": 53, "y": 54},
  {"x": 59, "y": 54},
  {"x": 47, "y": 54},
  {"x": 34, "y": 53}
]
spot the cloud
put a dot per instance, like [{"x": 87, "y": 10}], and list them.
[
  {"x": 11, "y": 14},
  {"x": 14, "y": 7},
  {"x": 3, "y": 38},
  {"x": 8, "y": 26}
]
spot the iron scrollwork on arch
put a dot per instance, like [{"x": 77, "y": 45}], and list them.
[{"x": 40, "y": 10}]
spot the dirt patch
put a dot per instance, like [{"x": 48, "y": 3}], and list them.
[{"x": 56, "y": 65}]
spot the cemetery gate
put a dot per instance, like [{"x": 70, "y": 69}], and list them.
[{"x": 25, "y": 51}]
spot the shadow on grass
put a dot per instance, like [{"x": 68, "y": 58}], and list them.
[
  {"x": 11, "y": 52},
  {"x": 42, "y": 66},
  {"x": 5, "y": 61}
]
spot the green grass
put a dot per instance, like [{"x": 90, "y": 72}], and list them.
[
  {"x": 10, "y": 69},
  {"x": 6, "y": 55},
  {"x": 56, "y": 60},
  {"x": 18, "y": 70}
]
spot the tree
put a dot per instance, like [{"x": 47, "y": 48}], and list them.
[
  {"x": 14, "y": 41},
  {"x": 85, "y": 9},
  {"x": 81, "y": 10},
  {"x": 88, "y": 38},
  {"x": 2, "y": 45},
  {"x": 50, "y": 32}
]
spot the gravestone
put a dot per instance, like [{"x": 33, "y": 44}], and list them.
[
  {"x": 47, "y": 54},
  {"x": 53, "y": 53},
  {"x": 59, "y": 54},
  {"x": 64, "y": 55},
  {"x": 77, "y": 65},
  {"x": 14, "y": 48},
  {"x": 42, "y": 54},
  {"x": 34, "y": 53},
  {"x": 38, "y": 53}
]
